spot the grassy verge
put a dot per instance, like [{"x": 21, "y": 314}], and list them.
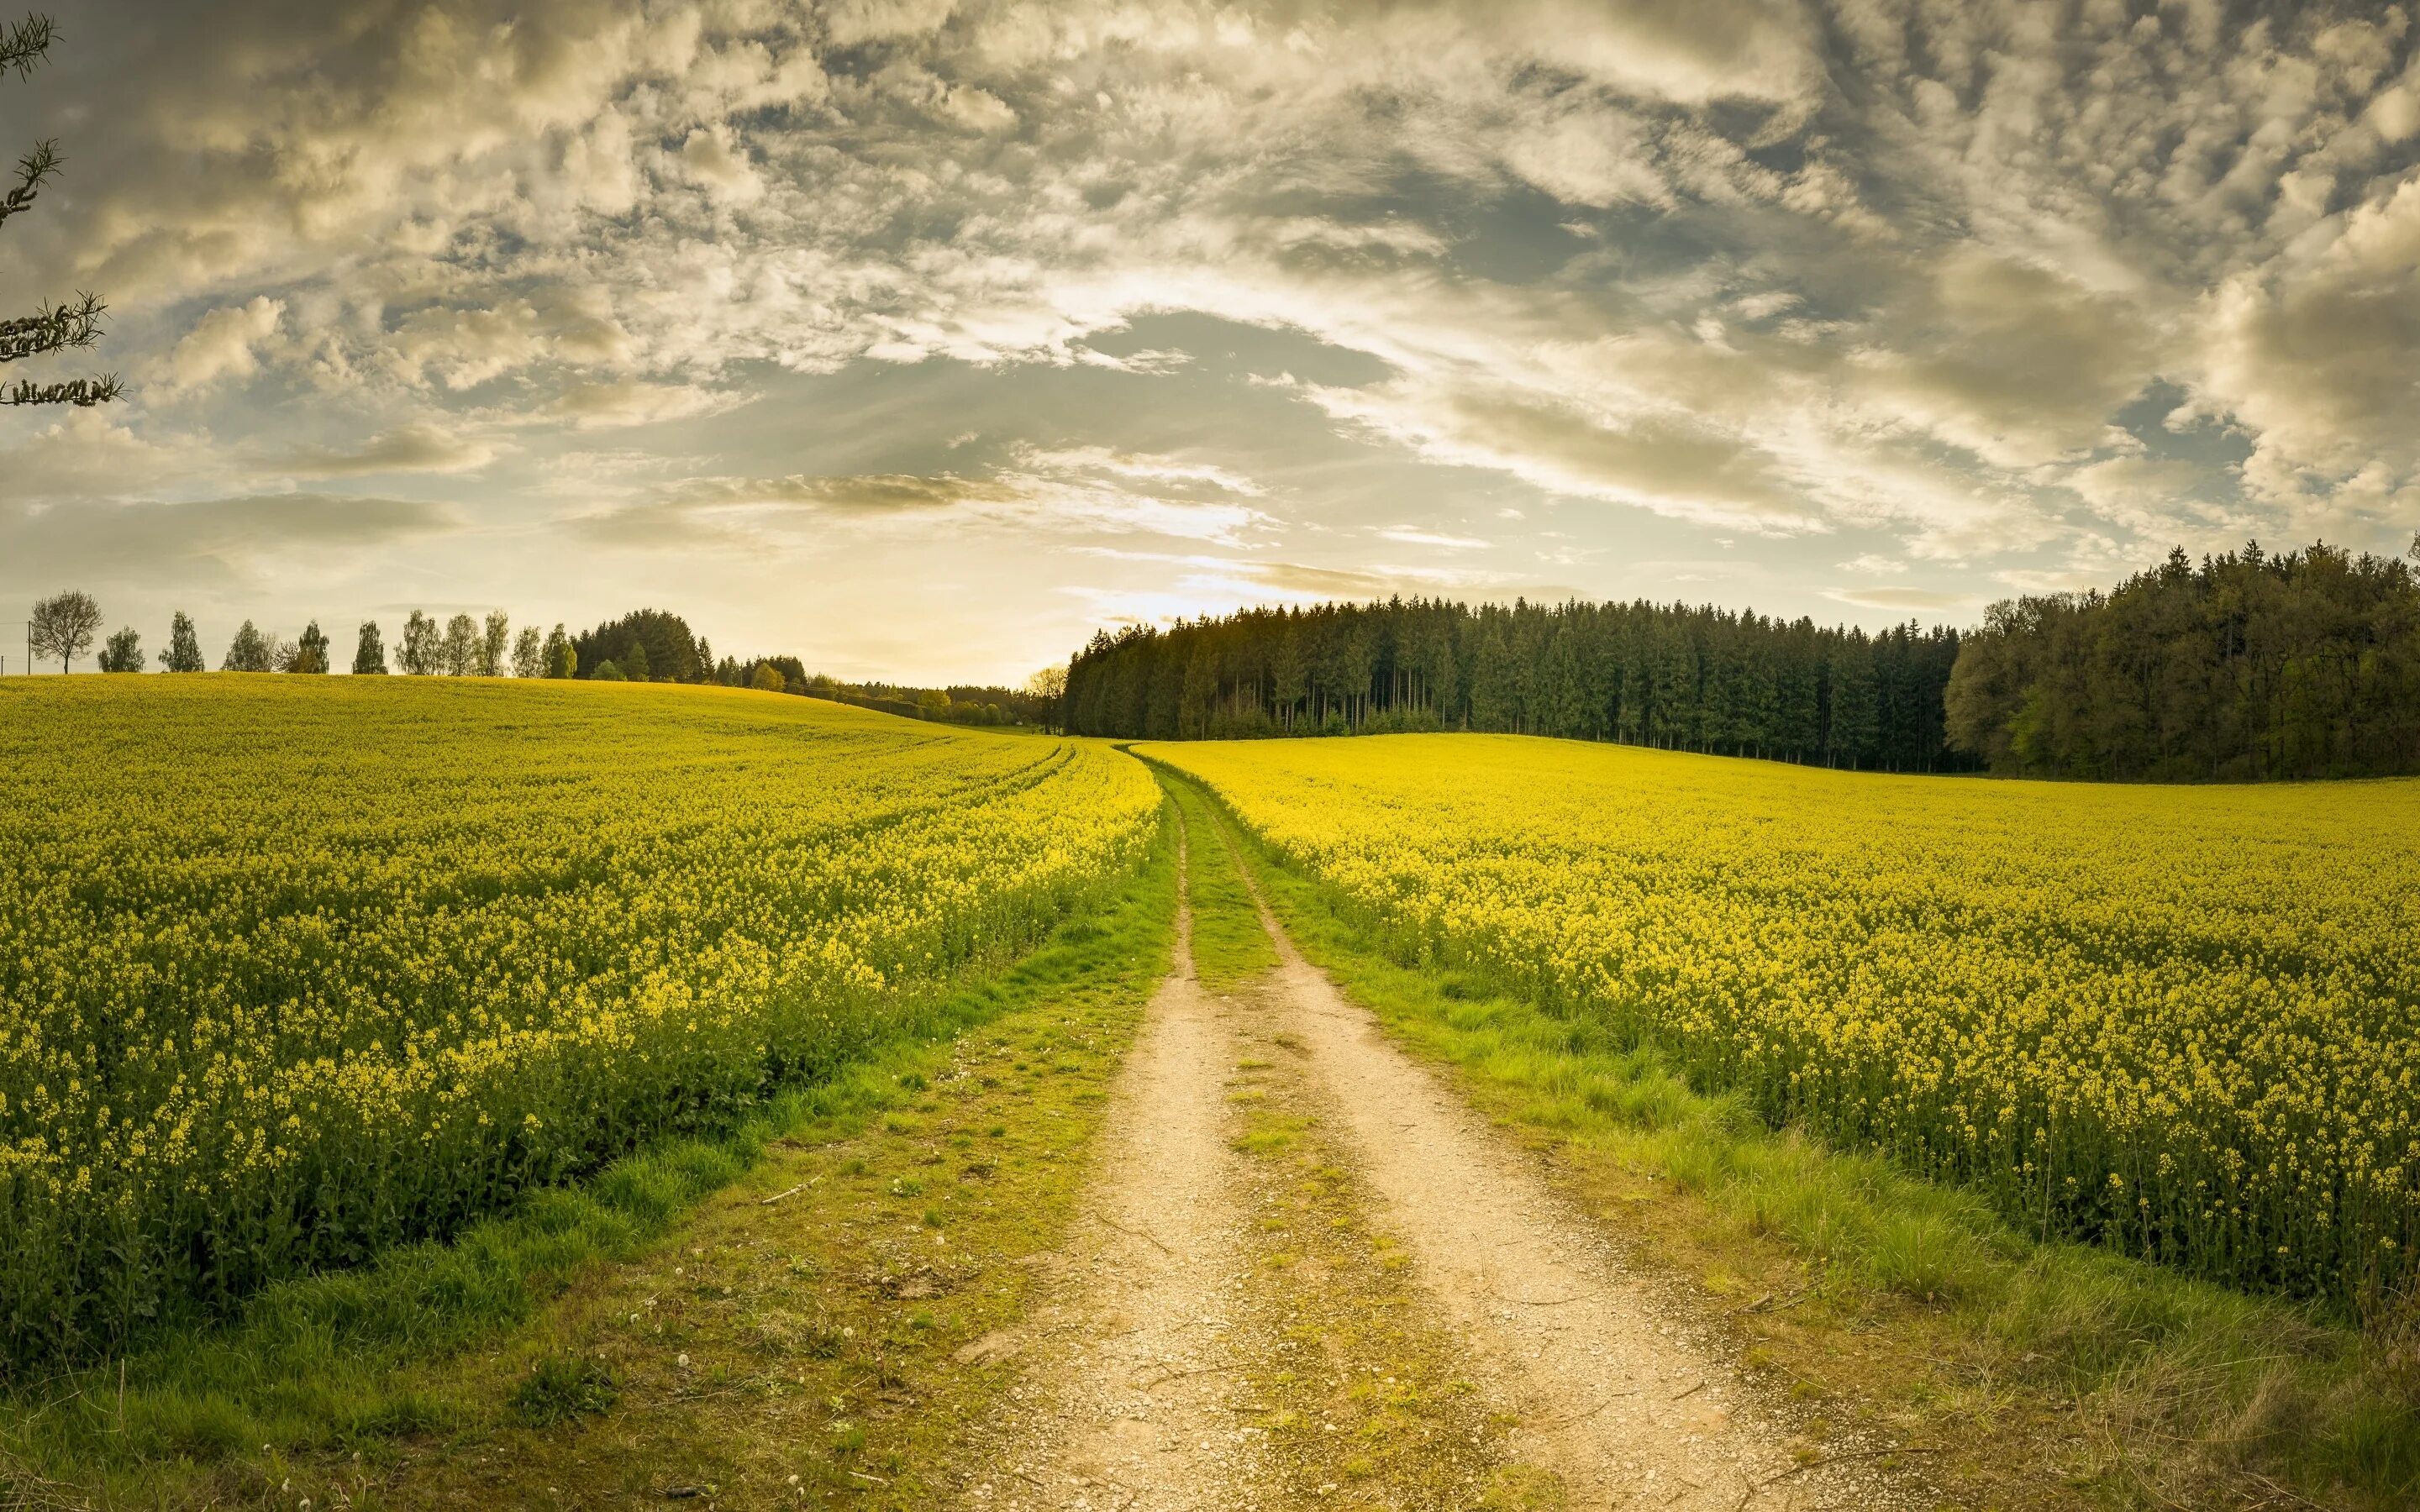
[
  {"x": 1229, "y": 945},
  {"x": 2045, "y": 1374},
  {"x": 1360, "y": 1390},
  {"x": 781, "y": 1316}
]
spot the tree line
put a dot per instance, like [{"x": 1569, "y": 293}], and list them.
[
  {"x": 1680, "y": 676},
  {"x": 645, "y": 645},
  {"x": 2245, "y": 666}
]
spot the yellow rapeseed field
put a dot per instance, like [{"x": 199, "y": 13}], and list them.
[
  {"x": 292, "y": 969},
  {"x": 2185, "y": 1021}
]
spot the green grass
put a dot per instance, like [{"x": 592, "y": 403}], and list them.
[
  {"x": 2043, "y": 1371},
  {"x": 1228, "y": 944},
  {"x": 419, "y": 1347}
]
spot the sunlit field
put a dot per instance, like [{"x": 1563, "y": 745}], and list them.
[
  {"x": 293, "y": 969},
  {"x": 2183, "y": 1022}
]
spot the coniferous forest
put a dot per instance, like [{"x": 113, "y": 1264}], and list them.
[
  {"x": 2250, "y": 666},
  {"x": 1701, "y": 679}
]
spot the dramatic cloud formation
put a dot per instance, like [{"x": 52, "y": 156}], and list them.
[{"x": 918, "y": 335}]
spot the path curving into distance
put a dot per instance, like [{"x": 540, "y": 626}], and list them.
[{"x": 1157, "y": 1313}]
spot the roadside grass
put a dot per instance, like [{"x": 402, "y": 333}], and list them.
[
  {"x": 2040, "y": 1373},
  {"x": 1355, "y": 1383},
  {"x": 1229, "y": 945},
  {"x": 778, "y": 1314},
  {"x": 1359, "y": 1388}
]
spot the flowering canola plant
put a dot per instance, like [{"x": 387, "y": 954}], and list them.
[
  {"x": 295, "y": 968},
  {"x": 2181, "y": 1021}
]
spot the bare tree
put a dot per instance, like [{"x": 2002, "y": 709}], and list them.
[
  {"x": 63, "y": 626},
  {"x": 51, "y": 328}
]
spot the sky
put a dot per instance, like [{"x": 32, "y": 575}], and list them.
[{"x": 920, "y": 338}]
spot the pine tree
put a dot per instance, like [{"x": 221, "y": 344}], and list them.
[{"x": 51, "y": 327}]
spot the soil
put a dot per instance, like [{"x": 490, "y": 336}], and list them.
[{"x": 1594, "y": 1386}]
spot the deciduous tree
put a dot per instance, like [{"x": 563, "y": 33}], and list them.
[
  {"x": 457, "y": 655},
  {"x": 249, "y": 651},
  {"x": 369, "y": 652},
  {"x": 63, "y": 625},
  {"x": 308, "y": 655},
  {"x": 124, "y": 651},
  {"x": 416, "y": 654},
  {"x": 184, "y": 653},
  {"x": 495, "y": 641}
]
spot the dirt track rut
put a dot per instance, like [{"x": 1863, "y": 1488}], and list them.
[
  {"x": 1606, "y": 1378},
  {"x": 1122, "y": 1406}
]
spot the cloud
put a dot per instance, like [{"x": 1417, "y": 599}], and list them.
[
  {"x": 221, "y": 344},
  {"x": 1408, "y": 537},
  {"x": 2320, "y": 359},
  {"x": 877, "y": 493},
  {"x": 1059, "y": 492},
  {"x": 1671, "y": 464},
  {"x": 1735, "y": 267},
  {"x": 629, "y": 402},
  {"x": 716, "y": 162},
  {"x": 206, "y": 542},
  {"x": 1899, "y": 598},
  {"x": 414, "y": 448}
]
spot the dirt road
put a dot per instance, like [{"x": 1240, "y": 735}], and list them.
[
  {"x": 1602, "y": 1386},
  {"x": 1121, "y": 1407}
]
